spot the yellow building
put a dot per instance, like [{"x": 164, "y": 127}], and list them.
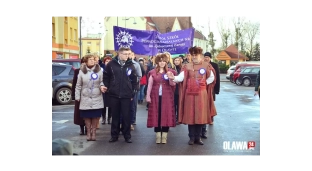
[
  {"x": 91, "y": 45},
  {"x": 230, "y": 54},
  {"x": 65, "y": 41}
]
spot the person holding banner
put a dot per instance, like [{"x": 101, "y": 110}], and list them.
[
  {"x": 160, "y": 96},
  {"x": 197, "y": 80},
  {"x": 120, "y": 81}
]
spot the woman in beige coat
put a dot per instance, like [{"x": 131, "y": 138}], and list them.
[{"x": 89, "y": 90}]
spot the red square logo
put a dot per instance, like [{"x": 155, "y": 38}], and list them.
[{"x": 251, "y": 145}]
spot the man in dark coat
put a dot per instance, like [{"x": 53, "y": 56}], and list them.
[
  {"x": 216, "y": 90},
  {"x": 120, "y": 81}
]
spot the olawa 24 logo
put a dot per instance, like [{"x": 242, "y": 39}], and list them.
[
  {"x": 124, "y": 39},
  {"x": 239, "y": 145}
]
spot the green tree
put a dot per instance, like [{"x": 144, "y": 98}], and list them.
[
  {"x": 256, "y": 52},
  {"x": 211, "y": 42}
]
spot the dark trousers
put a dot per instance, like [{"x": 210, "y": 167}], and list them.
[
  {"x": 133, "y": 108},
  {"x": 160, "y": 128},
  {"x": 204, "y": 129},
  {"x": 120, "y": 108},
  {"x": 109, "y": 112},
  {"x": 195, "y": 131},
  {"x": 176, "y": 106}
]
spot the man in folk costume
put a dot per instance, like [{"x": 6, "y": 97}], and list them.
[{"x": 196, "y": 106}]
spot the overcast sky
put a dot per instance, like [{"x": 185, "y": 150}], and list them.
[{"x": 201, "y": 23}]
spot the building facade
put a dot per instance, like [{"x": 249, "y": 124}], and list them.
[
  {"x": 91, "y": 45},
  {"x": 65, "y": 40},
  {"x": 230, "y": 56},
  {"x": 200, "y": 40}
]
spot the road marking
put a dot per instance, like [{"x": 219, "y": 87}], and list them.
[
  {"x": 59, "y": 128},
  {"x": 62, "y": 112},
  {"x": 61, "y": 121}
]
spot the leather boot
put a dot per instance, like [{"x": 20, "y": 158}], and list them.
[
  {"x": 199, "y": 141},
  {"x": 95, "y": 122},
  {"x": 81, "y": 130},
  {"x": 158, "y": 137},
  {"x": 164, "y": 137},
  {"x": 88, "y": 126},
  {"x": 191, "y": 141}
]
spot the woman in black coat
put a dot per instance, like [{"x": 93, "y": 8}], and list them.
[
  {"x": 106, "y": 98},
  {"x": 77, "y": 119}
]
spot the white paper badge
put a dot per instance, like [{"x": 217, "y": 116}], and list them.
[
  {"x": 165, "y": 77},
  {"x": 129, "y": 72},
  {"x": 94, "y": 76},
  {"x": 202, "y": 71}
]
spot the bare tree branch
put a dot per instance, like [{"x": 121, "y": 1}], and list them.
[{"x": 252, "y": 30}]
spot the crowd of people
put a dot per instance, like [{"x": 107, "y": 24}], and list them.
[{"x": 177, "y": 90}]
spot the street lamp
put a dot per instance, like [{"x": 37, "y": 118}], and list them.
[
  {"x": 128, "y": 19},
  {"x": 80, "y": 44},
  {"x": 237, "y": 40}
]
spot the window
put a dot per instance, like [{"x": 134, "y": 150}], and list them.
[
  {"x": 65, "y": 41},
  {"x": 75, "y": 34},
  {"x": 167, "y": 29},
  {"x": 57, "y": 70},
  {"x": 255, "y": 70},
  {"x": 71, "y": 34},
  {"x": 72, "y": 72},
  {"x": 247, "y": 70},
  {"x": 75, "y": 64},
  {"x": 66, "y": 20},
  {"x": 89, "y": 43}
]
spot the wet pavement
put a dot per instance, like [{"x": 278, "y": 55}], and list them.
[{"x": 236, "y": 125}]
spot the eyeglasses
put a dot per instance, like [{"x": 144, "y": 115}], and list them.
[{"x": 126, "y": 54}]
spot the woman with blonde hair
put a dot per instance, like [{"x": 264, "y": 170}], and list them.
[
  {"x": 160, "y": 96},
  {"x": 170, "y": 61},
  {"x": 88, "y": 92}
]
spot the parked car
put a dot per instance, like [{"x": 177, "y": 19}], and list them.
[
  {"x": 248, "y": 75},
  {"x": 62, "y": 79},
  {"x": 236, "y": 75},
  {"x": 74, "y": 62},
  {"x": 244, "y": 65},
  {"x": 230, "y": 71}
]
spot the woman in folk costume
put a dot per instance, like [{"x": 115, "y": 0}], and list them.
[
  {"x": 196, "y": 106},
  {"x": 160, "y": 96}
]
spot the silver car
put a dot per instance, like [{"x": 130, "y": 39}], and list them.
[
  {"x": 230, "y": 71},
  {"x": 62, "y": 79}
]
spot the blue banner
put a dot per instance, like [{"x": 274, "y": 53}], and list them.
[{"x": 145, "y": 42}]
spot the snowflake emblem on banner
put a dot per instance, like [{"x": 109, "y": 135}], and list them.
[{"x": 124, "y": 39}]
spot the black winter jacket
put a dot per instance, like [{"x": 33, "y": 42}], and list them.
[{"x": 118, "y": 83}]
